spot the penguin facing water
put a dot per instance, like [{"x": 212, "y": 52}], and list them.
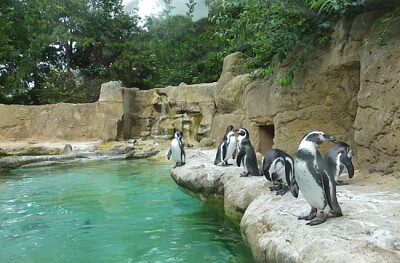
[
  {"x": 339, "y": 157},
  {"x": 177, "y": 151},
  {"x": 278, "y": 167},
  {"x": 317, "y": 187},
  {"x": 227, "y": 147},
  {"x": 246, "y": 154}
]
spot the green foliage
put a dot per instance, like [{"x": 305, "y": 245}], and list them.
[
  {"x": 53, "y": 49},
  {"x": 271, "y": 32},
  {"x": 382, "y": 28},
  {"x": 268, "y": 31},
  {"x": 181, "y": 50},
  {"x": 335, "y": 6},
  {"x": 61, "y": 51}
]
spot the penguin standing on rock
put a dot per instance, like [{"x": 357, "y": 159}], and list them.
[
  {"x": 278, "y": 167},
  {"x": 317, "y": 187},
  {"x": 337, "y": 158},
  {"x": 246, "y": 155},
  {"x": 177, "y": 151},
  {"x": 227, "y": 147}
]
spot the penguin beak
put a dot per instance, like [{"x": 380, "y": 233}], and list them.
[
  {"x": 328, "y": 137},
  {"x": 346, "y": 161}
]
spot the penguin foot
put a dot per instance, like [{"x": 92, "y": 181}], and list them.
[
  {"x": 244, "y": 174},
  {"x": 341, "y": 183},
  {"x": 318, "y": 221},
  {"x": 311, "y": 216},
  {"x": 178, "y": 164},
  {"x": 282, "y": 191}
]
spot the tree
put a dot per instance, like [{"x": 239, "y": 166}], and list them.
[
  {"x": 62, "y": 48},
  {"x": 268, "y": 31}
]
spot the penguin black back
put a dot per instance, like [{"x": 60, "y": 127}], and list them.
[
  {"x": 246, "y": 155},
  {"x": 226, "y": 147},
  {"x": 337, "y": 158},
  {"x": 278, "y": 167}
]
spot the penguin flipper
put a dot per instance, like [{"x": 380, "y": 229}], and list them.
[
  {"x": 224, "y": 148},
  {"x": 169, "y": 154},
  {"x": 240, "y": 156},
  {"x": 183, "y": 155},
  {"x": 234, "y": 153},
  {"x": 265, "y": 170},
  {"x": 218, "y": 155},
  {"x": 329, "y": 185},
  {"x": 290, "y": 178},
  {"x": 288, "y": 171},
  {"x": 346, "y": 161}
]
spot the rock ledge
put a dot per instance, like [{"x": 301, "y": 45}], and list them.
[{"x": 369, "y": 231}]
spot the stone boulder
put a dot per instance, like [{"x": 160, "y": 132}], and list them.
[
  {"x": 111, "y": 91},
  {"x": 231, "y": 84}
]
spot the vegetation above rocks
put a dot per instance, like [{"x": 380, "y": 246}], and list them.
[{"x": 61, "y": 51}]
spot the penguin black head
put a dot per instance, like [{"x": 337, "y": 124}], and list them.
[
  {"x": 345, "y": 154},
  {"x": 229, "y": 128},
  {"x": 317, "y": 137},
  {"x": 242, "y": 132},
  {"x": 178, "y": 134}
]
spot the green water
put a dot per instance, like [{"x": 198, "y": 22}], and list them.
[{"x": 110, "y": 211}]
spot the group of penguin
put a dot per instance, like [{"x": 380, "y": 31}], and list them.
[{"x": 316, "y": 177}]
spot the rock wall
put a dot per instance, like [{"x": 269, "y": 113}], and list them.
[
  {"x": 377, "y": 122},
  {"x": 345, "y": 89},
  {"x": 160, "y": 112},
  {"x": 65, "y": 122}
]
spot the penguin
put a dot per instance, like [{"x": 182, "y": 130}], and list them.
[
  {"x": 177, "y": 151},
  {"x": 317, "y": 187},
  {"x": 339, "y": 157},
  {"x": 246, "y": 154},
  {"x": 227, "y": 147},
  {"x": 278, "y": 167}
]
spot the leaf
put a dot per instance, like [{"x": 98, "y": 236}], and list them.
[{"x": 281, "y": 56}]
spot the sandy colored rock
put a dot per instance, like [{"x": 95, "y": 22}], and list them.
[
  {"x": 368, "y": 231},
  {"x": 378, "y": 118},
  {"x": 111, "y": 92}
]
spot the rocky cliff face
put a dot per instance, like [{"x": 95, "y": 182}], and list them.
[
  {"x": 345, "y": 89},
  {"x": 160, "y": 112}
]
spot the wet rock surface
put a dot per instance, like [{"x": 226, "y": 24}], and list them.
[
  {"x": 58, "y": 154},
  {"x": 369, "y": 231}
]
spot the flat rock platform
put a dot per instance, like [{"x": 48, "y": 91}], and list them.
[{"x": 369, "y": 231}]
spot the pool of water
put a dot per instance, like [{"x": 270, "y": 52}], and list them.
[{"x": 110, "y": 211}]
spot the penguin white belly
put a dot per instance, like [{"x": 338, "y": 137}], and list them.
[
  {"x": 312, "y": 192},
  {"x": 337, "y": 171},
  {"x": 244, "y": 162},
  {"x": 176, "y": 151},
  {"x": 231, "y": 148}
]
